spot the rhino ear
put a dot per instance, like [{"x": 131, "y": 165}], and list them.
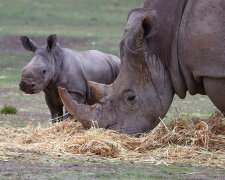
[
  {"x": 28, "y": 44},
  {"x": 100, "y": 91},
  {"x": 148, "y": 24},
  {"x": 51, "y": 42}
]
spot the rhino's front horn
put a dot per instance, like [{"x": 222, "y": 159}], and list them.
[{"x": 85, "y": 114}]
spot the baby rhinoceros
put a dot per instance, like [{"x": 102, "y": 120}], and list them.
[{"x": 54, "y": 67}]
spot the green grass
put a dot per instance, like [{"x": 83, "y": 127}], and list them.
[
  {"x": 11, "y": 64},
  {"x": 128, "y": 174},
  {"x": 190, "y": 107},
  {"x": 101, "y": 20},
  {"x": 8, "y": 109}
]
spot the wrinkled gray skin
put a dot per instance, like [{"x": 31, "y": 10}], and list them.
[
  {"x": 168, "y": 47},
  {"x": 54, "y": 66}
]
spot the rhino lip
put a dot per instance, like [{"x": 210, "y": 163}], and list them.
[{"x": 30, "y": 91}]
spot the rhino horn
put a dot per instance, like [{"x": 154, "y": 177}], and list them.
[
  {"x": 86, "y": 115},
  {"x": 100, "y": 90}
]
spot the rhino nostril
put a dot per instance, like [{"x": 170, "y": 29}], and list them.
[{"x": 33, "y": 85}]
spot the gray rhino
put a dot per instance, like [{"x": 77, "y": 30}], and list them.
[
  {"x": 168, "y": 47},
  {"x": 54, "y": 66}
]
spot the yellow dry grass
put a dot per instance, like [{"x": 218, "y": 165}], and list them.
[{"x": 200, "y": 142}]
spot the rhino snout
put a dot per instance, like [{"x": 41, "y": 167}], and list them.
[{"x": 29, "y": 88}]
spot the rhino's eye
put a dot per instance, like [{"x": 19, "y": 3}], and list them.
[
  {"x": 130, "y": 96},
  {"x": 44, "y": 71}
]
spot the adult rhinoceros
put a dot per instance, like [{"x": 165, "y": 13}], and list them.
[{"x": 168, "y": 47}]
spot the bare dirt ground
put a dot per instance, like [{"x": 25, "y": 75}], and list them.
[
  {"x": 88, "y": 170},
  {"x": 13, "y": 43}
]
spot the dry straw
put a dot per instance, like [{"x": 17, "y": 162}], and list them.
[{"x": 196, "y": 141}]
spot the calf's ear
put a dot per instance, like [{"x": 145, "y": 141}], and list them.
[
  {"x": 148, "y": 24},
  {"x": 28, "y": 44},
  {"x": 51, "y": 42}
]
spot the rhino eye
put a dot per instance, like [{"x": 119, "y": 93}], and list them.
[
  {"x": 131, "y": 98},
  {"x": 44, "y": 71}
]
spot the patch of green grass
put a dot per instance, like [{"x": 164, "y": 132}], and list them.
[
  {"x": 182, "y": 172},
  {"x": 9, "y": 79},
  {"x": 197, "y": 106},
  {"x": 11, "y": 63},
  {"x": 7, "y": 109},
  {"x": 126, "y": 174},
  {"x": 13, "y": 58},
  {"x": 80, "y": 18}
]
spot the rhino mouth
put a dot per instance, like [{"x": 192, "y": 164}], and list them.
[
  {"x": 32, "y": 92},
  {"x": 29, "y": 89}
]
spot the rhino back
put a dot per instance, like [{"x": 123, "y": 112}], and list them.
[
  {"x": 80, "y": 67},
  {"x": 100, "y": 67},
  {"x": 72, "y": 73}
]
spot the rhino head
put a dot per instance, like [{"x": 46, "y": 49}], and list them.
[
  {"x": 41, "y": 70},
  {"x": 142, "y": 92}
]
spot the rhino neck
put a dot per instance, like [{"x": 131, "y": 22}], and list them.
[
  {"x": 52, "y": 92},
  {"x": 58, "y": 55},
  {"x": 165, "y": 42},
  {"x": 52, "y": 88}
]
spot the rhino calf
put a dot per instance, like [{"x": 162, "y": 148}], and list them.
[{"x": 54, "y": 67}]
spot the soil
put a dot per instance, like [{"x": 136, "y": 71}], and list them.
[
  {"x": 76, "y": 170},
  {"x": 13, "y": 42}
]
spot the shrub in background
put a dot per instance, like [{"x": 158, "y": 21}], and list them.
[{"x": 7, "y": 109}]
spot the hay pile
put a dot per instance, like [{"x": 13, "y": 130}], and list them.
[{"x": 201, "y": 142}]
